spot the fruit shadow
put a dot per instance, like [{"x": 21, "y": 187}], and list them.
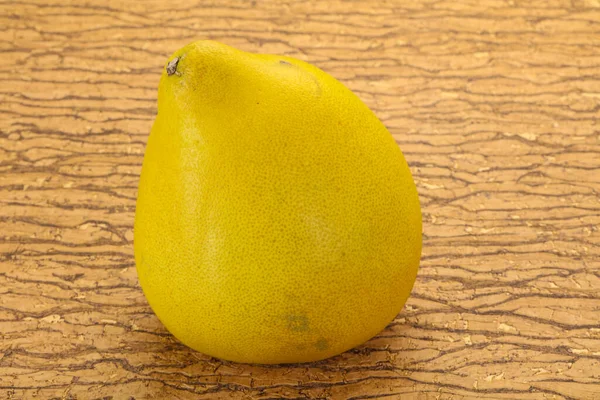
[{"x": 385, "y": 361}]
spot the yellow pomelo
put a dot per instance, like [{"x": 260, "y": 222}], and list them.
[{"x": 277, "y": 220}]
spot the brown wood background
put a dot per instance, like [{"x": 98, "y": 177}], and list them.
[{"x": 495, "y": 104}]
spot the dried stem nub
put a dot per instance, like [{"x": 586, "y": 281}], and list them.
[{"x": 172, "y": 66}]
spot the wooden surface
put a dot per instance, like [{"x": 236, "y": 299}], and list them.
[{"x": 495, "y": 104}]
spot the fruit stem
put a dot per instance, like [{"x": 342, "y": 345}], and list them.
[{"x": 172, "y": 66}]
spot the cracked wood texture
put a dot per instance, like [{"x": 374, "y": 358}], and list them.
[{"x": 495, "y": 104}]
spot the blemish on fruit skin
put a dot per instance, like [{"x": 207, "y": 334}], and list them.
[
  {"x": 297, "y": 323},
  {"x": 322, "y": 344},
  {"x": 318, "y": 90}
]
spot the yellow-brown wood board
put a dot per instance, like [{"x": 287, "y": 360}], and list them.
[{"x": 495, "y": 104}]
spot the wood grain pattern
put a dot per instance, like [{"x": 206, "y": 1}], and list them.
[{"x": 495, "y": 104}]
